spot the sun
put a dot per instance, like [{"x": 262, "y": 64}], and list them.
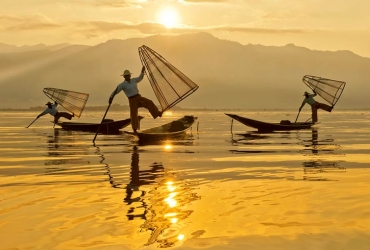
[{"x": 168, "y": 17}]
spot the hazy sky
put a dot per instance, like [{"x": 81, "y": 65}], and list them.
[{"x": 315, "y": 24}]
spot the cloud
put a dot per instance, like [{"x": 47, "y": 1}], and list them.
[
  {"x": 95, "y": 29},
  {"x": 118, "y": 4},
  {"x": 7, "y": 19},
  {"x": 33, "y": 26},
  {"x": 33, "y": 22},
  {"x": 257, "y": 30},
  {"x": 114, "y": 26},
  {"x": 203, "y": 1},
  {"x": 99, "y": 28}
]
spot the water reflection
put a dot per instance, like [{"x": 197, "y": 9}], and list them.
[
  {"x": 321, "y": 153},
  {"x": 182, "y": 139},
  {"x": 156, "y": 195},
  {"x": 168, "y": 199},
  {"x": 67, "y": 155},
  {"x": 63, "y": 147},
  {"x": 140, "y": 178},
  {"x": 261, "y": 142},
  {"x": 320, "y": 150}
]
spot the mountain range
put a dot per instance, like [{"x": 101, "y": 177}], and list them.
[{"x": 229, "y": 74}]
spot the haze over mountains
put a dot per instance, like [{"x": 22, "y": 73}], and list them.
[
  {"x": 230, "y": 75},
  {"x": 7, "y": 48}
]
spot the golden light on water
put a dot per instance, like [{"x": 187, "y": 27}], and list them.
[
  {"x": 167, "y": 146},
  {"x": 174, "y": 220},
  {"x": 170, "y": 214},
  {"x": 168, "y": 113},
  {"x": 181, "y": 237},
  {"x": 170, "y": 200},
  {"x": 170, "y": 186}
]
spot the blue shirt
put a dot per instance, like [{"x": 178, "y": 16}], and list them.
[
  {"x": 309, "y": 100},
  {"x": 53, "y": 110},
  {"x": 130, "y": 88}
]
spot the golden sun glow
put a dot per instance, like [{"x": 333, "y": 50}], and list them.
[{"x": 168, "y": 17}]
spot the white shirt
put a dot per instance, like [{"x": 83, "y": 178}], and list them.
[
  {"x": 53, "y": 110},
  {"x": 130, "y": 88},
  {"x": 309, "y": 100}
]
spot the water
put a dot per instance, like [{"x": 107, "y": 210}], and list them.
[{"x": 224, "y": 186}]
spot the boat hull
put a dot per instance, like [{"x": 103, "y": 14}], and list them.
[
  {"x": 266, "y": 126},
  {"x": 174, "y": 129},
  {"x": 106, "y": 127}
]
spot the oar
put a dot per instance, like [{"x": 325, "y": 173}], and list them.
[
  {"x": 32, "y": 122},
  {"x": 101, "y": 122},
  {"x": 297, "y": 116}
]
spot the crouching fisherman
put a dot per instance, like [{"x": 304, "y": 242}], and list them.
[{"x": 52, "y": 110}]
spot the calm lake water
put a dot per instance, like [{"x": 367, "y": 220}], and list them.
[{"x": 216, "y": 189}]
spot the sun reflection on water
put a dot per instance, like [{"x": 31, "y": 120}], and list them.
[{"x": 168, "y": 199}]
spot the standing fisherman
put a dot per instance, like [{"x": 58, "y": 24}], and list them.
[
  {"x": 315, "y": 105},
  {"x": 136, "y": 101}
]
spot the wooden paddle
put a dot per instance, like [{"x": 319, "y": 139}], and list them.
[
  {"x": 32, "y": 122},
  {"x": 101, "y": 123},
  {"x": 297, "y": 116},
  {"x": 110, "y": 102}
]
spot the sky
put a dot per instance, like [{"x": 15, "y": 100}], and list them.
[{"x": 316, "y": 24}]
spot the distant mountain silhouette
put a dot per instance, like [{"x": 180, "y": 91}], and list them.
[{"x": 230, "y": 75}]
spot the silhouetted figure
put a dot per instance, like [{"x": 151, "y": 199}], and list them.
[
  {"x": 53, "y": 111},
  {"x": 136, "y": 101},
  {"x": 315, "y": 105}
]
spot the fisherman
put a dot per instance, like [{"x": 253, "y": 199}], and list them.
[
  {"x": 136, "y": 101},
  {"x": 315, "y": 105},
  {"x": 52, "y": 110}
]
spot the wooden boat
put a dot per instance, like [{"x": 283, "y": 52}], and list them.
[
  {"x": 108, "y": 126},
  {"x": 169, "y": 130},
  {"x": 266, "y": 126}
]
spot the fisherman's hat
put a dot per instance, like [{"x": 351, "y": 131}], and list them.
[
  {"x": 48, "y": 103},
  {"x": 126, "y": 73},
  {"x": 305, "y": 93}
]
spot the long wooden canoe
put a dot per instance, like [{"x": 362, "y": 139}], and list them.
[
  {"x": 267, "y": 126},
  {"x": 108, "y": 126},
  {"x": 167, "y": 131}
]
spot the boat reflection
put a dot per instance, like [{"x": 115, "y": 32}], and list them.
[
  {"x": 67, "y": 155},
  {"x": 64, "y": 147},
  {"x": 260, "y": 141},
  {"x": 156, "y": 195},
  {"x": 323, "y": 154},
  {"x": 182, "y": 139}
]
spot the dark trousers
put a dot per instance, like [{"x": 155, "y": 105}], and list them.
[
  {"x": 62, "y": 114},
  {"x": 137, "y": 102},
  {"x": 316, "y": 106}
]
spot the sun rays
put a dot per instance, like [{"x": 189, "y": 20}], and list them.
[{"x": 168, "y": 17}]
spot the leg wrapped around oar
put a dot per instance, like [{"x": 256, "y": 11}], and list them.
[{"x": 62, "y": 114}]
